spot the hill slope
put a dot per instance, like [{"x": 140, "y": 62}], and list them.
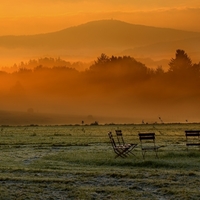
[{"x": 98, "y": 34}]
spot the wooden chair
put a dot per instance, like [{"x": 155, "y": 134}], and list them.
[
  {"x": 120, "y": 150},
  {"x": 121, "y": 142},
  {"x": 147, "y": 141},
  {"x": 192, "y": 138}
]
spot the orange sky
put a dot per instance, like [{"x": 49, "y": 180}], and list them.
[
  {"x": 24, "y": 17},
  {"x": 32, "y": 17}
]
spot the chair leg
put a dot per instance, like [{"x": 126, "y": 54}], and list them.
[
  {"x": 121, "y": 154},
  {"x": 156, "y": 153},
  {"x": 132, "y": 153},
  {"x": 143, "y": 154}
]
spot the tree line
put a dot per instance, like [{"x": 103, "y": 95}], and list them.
[
  {"x": 180, "y": 66},
  {"x": 107, "y": 76}
]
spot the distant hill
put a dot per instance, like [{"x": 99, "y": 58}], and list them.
[
  {"x": 104, "y": 36},
  {"x": 105, "y": 33}
]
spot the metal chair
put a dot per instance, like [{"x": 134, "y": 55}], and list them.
[
  {"x": 147, "y": 141},
  {"x": 120, "y": 150},
  {"x": 122, "y": 142}
]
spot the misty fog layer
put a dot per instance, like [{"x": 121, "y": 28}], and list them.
[{"x": 112, "y": 86}]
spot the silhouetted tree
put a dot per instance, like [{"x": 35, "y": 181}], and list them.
[
  {"x": 180, "y": 63},
  {"x": 159, "y": 71},
  {"x": 102, "y": 59},
  {"x": 196, "y": 69},
  {"x": 126, "y": 67}
]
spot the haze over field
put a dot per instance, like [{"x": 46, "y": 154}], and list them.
[
  {"x": 111, "y": 59},
  {"x": 113, "y": 89}
]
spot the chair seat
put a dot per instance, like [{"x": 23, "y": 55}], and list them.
[
  {"x": 129, "y": 145},
  {"x": 150, "y": 148}
]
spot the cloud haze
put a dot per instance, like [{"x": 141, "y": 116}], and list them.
[{"x": 31, "y": 17}]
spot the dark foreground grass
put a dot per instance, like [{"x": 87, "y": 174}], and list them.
[{"x": 74, "y": 164}]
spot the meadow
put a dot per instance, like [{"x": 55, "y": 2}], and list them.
[{"x": 77, "y": 162}]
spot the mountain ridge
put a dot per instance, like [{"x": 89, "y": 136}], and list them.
[
  {"x": 89, "y": 40},
  {"x": 110, "y": 33}
]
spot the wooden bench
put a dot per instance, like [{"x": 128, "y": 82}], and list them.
[{"x": 192, "y": 138}]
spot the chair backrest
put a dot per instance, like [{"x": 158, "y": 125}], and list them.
[
  {"x": 120, "y": 138},
  {"x": 192, "y": 133},
  {"x": 147, "y": 138},
  {"x": 112, "y": 139},
  {"x": 192, "y": 137}
]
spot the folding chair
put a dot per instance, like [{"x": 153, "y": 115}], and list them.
[
  {"x": 121, "y": 142},
  {"x": 119, "y": 150},
  {"x": 147, "y": 141}
]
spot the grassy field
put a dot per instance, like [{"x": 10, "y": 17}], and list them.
[{"x": 77, "y": 162}]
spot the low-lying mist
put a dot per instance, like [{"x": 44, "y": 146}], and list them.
[{"x": 113, "y": 89}]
